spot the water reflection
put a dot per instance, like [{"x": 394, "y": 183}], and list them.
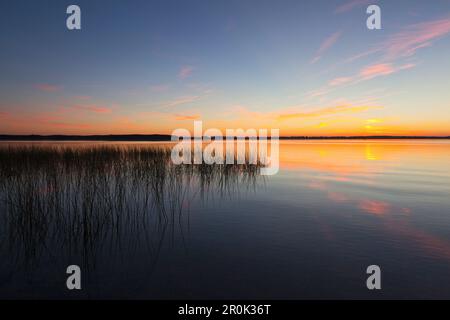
[
  {"x": 141, "y": 227},
  {"x": 86, "y": 203},
  {"x": 338, "y": 165}
]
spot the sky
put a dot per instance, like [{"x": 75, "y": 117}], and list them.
[{"x": 304, "y": 67}]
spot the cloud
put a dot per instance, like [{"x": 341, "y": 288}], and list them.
[
  {"x": 318, "y": 92},
  {"x": 185, "y": 72},
  {"x": 180, "y": 101},
  {"x": 340, "y": 81},
  {"x": 186, "y": 117},
  {"x": 326, "y": 45},
  {"x": 326, "y": 112},
  {"x": 375, "y": 70},
  {"x": 394, "y": 51},
  {"x": 381, "y": 69},
  {"x": 350, "y": 5},
  {"x": 366, "y": 73},
  {"x": 92, "y": 108},
  {"x": 408, "y": 41},
  {"x": 415, "y": 37},
  {"x": 47, "y": 87}
]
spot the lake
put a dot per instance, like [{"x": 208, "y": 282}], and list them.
[{"x": 308, "y": 232}]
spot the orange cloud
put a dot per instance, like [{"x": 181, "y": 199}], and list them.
[{"x": 187, "y": 117}]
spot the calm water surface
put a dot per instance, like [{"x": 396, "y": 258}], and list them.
[{"x": 334, "y": 208}]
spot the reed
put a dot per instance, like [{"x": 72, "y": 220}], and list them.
[{"x": 79, "y": 199}]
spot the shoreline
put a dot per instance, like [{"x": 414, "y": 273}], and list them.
[{"x": 165, "y": 138}]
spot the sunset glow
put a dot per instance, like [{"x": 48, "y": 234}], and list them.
[{"x": 316, "y": 73}]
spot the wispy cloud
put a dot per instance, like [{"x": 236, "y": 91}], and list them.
[
  {"x": 394, "y": 52},
  {"x": 415, "y": 37},
  {"x": 92, "y": 108},
  {"x": 326, "y": 112},
  {"x": 181, "y": 100},
  {"x": 366, "y": 73},
  {"x": 326, "y": 45},
  {"x": 185, "y": 72},
  {"x": 186, "y": 117},
  {"x": 408, "y": 41},
  {"x": 381, "y": 69},
  {"x": 47, "y": 87},
  {"x": 340, "y": 81},
  {"x": 350, "y": 5}
]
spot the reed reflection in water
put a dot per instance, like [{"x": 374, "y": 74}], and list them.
[{"x": 84, "y": 203}]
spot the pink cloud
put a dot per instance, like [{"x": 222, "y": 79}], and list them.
[
  {"x": 375, "y": 70},
  {"x": 185, "y": 72},
  {"x": 47, "y": 87},
  {"x": 381, "y": 69},
  {"x": 415, "y": 37},
  {"x": 340, "y": 81},
  {"x": 350, "y": 5},
  {"x": 366, "y": 73},
  {"x": 407, "y": 42},
  {"x": 326, "y": 45}
]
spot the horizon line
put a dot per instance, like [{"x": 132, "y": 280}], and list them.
[{"x": 167, "y": 137}]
